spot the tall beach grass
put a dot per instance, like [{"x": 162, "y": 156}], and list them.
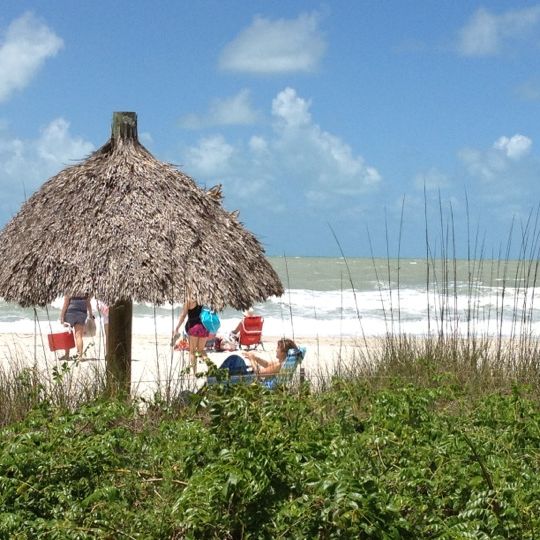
[{"x": 461, "y": 342}]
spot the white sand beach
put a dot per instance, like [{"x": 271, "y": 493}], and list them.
[{"x": 156, "y": 367}]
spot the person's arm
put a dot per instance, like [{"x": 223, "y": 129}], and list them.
[
  {"x": 188, "y": 304},
  {"x": 260, "y": 365},
  {"x": 181, "y": 318},
  {"x": 237, "y": 329},
  {"x": 64, "y": 309}
]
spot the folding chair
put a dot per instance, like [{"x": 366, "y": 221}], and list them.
[{"x": 251, "y": 332}]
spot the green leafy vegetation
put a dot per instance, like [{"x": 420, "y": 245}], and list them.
[{"x": 361, "y": 459}]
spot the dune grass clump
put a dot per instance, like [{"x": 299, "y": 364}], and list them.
[
  {"x": 20, "y": 392},
  {"x": 476, "y": 364},
  {"x": 24, "y": 387}
]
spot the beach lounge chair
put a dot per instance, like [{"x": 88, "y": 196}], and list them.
[
  {"x": 288, "y": 369},
  {"x": 251, "y": 332},
  {"x": 283, "y": 377}
]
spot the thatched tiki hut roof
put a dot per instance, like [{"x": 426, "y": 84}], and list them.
[{"x": 124, "y": 226}]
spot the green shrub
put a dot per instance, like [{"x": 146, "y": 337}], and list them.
[{"x": 354, "y": 462}]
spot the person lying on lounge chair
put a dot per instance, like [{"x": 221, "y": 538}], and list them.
[{"x": 260, "y": 366}]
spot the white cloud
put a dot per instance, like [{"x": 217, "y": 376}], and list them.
[
  {"x": 26, "y": 46},
  {"x": 12, "y": 157},
  {"x": 211, "y": 157},
  {"x": 258, "y": 144},
  {"x": 492, "y": 164},
  {"x": 297, "y": 160},
  {"x": 146, "y": 138},
  {"x": 480, "y": 36},
  {"x": 235, "y": 110},
  {"x": 483, "y": 165},
  {"x": 291, "y": 109},
  {"x": 486, "y": 33},
  {"x": 57, "y": 147},
  {"x": 26, "y": 164},
  {"x": 279, "y": 46},
  {"x": 515, "y": 148},
  {"x": 315, "y": 153}
]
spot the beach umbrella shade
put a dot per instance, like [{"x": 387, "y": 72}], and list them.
[{"x": 125, "y": 227}]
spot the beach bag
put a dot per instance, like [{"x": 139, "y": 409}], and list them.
[
  {"x": 210, "y": 320},
  {"x": 90, "y": 327}
]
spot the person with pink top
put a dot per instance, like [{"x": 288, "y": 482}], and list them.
[{"x": 197, "y": 333}]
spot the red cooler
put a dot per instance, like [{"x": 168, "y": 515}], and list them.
[{"x": 61, "y": 341}]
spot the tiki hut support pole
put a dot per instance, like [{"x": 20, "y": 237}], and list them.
[
  {"x": 118, "y": 357},
  {"x": 124, "y": 126}
]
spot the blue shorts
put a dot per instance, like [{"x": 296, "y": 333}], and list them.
[{"x": 75, "y": 317}]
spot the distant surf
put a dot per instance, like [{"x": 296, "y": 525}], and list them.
[{"x": 329, "y": 297}]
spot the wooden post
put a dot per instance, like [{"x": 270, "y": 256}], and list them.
[
  {"x": 118, "y": 358},
  {"x": 124, "y": 126}
]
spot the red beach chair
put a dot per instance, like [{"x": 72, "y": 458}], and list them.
[{"x": 251, "y": 332}]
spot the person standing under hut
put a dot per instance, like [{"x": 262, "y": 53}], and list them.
[
  {"x": 197, "y": 333},
  {"x": 74, "y": 312}
]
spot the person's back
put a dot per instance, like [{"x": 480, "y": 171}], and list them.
[{"x": 74, "y": 313}]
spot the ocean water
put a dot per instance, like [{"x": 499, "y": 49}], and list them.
[{"x": 360, "y": 297}]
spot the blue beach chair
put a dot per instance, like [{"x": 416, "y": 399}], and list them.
[{"x": 288, "y": 369}]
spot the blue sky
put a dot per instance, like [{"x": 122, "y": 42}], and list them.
[{"x": 343, "y": 115}]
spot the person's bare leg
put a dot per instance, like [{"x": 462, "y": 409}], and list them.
[
  {"x": 78, "y": 331},
  {"x": 201, "y": 346},
  {"x": 197, "y": 345},
  {"x": 193, "y": 343}
]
